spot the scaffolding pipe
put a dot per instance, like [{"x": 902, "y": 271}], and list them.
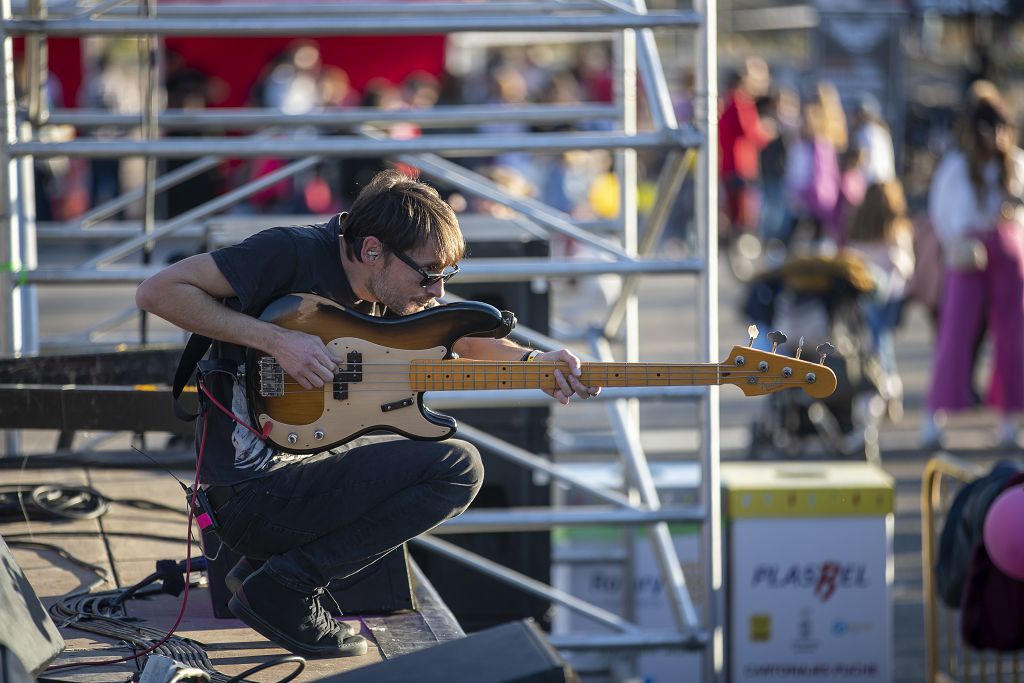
[
  {"x": 317, "y": 9},
  {"x": 496, "y": 270},
  {"x": 670, "y": 180},
  {"x": 523, "y": 457},
  {"x": 254, "y": 118},
  {"x": 623, "y": 425},
  {"x": 348, "y": 146},
  {"x": 164, "y": 182},
  {"x": 201, "y": 211},
  {"x": 510, "y": 520},
  {"x": 524, "y": 583},
  {"x": 96, "y": 10},
  {"x": 540, "y": 213},
  {"x": 148, "y": 80},
  {"x": 10, "y": 225},
  {"x": 706, "y": 115},
  {"x": 36, "y": 79},
  {"x": 648, "y": 640},
  {"x": 52, "y": 232},
  {"x": 349, "y": 26}
]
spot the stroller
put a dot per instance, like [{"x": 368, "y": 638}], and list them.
[{"x": 821, "y": 298}]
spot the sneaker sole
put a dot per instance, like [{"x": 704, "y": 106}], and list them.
[{"x": 352, "y": 645}]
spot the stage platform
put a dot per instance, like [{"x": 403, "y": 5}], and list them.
[{"x": 111, "y": 541}]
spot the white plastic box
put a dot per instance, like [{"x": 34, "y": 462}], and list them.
[{"x": 810, "y": 572}]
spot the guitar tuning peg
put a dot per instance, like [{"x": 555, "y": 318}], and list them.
[
  {"x": 752, "y": 332},
  {"x": 799, "y": 348},
  {"x": 776, "y": 338},
  {"x": 825, "y": 349}
]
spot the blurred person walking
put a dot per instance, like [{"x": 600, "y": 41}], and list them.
[
  {"x": 813, "y": 179},
  {"x": 741, "y": 136},
  {"x": 882, "y": 236},
  {"x": 975, "y": 205},
  {"x": 873, "y": 141},
  {"x": 774, "y": 221}
]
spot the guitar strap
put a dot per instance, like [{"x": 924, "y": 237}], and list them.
[
  {"x": 192, "y": 360},
  {"x": 194, "y": 351}
]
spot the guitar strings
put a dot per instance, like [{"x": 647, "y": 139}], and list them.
[
  {"x": 544, "y": 364},
  {"x": 458, "y": 383}
]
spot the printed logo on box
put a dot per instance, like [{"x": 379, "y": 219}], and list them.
[
  {"x": 805, "y": 640},
  {"x": 844, "y": 627},
  {"x": 760, "y": 628},
  {"x": 823, "y": 578}
]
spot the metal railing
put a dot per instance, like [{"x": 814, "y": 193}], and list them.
[{"x": 947, "y": 658}]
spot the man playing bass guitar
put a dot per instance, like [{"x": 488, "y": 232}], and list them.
[{"x": 302, "y": 518}]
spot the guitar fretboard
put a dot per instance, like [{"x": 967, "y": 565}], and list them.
[{"x": 463, "y": 375}]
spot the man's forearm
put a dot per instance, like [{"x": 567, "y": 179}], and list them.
[
  {"x": 481, "y": 348},
  {"x": 194, "y": 310}
]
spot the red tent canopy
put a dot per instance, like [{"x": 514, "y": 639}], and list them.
[{"x": 238, "y": 62}]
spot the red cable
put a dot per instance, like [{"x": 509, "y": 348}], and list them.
[
  {"x": 188, "y": 571},
  {"x": 262, "y": 436}
]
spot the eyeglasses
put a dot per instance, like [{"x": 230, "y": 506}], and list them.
[{"x": 428, "y": 278}]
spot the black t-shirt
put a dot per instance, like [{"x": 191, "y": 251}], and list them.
[{"x": 268, "y": 265}]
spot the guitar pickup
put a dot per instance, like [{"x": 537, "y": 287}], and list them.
[
  {"x": 395, "y": 405},
  {"x": 353, "y": 372}
]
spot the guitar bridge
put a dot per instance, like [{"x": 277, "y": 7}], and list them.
[{"x": 271, "y": 378}]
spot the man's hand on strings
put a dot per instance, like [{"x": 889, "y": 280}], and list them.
[{"x": 305, "y": 359}]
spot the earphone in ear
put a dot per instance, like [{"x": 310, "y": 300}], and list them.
[{"x": 372, "y": 254}]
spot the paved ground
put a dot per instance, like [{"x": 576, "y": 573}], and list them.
[{"x": 668, "y": 332}]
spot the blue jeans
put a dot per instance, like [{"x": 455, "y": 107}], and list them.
[{"x": 334, "y": 513}]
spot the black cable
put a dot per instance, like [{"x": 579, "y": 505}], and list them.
[
  {"x": 93, "y": 534},
  {"x": 63, "y": 501},
  {"x": 277, "y": 661},
  {"x": 51, "y": 501}
]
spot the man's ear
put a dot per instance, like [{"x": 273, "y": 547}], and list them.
[{"x": 372, "y": 249}]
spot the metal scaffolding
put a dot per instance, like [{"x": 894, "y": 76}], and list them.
[{"x": 626, "y": 245}]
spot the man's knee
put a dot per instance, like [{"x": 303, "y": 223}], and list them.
[
  {"x": 466, "y": 467},
  {"x": 464, "y": 473}
]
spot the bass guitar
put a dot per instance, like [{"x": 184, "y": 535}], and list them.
[{"x": 388, "y": 363}]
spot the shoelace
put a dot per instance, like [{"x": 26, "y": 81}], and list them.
[{"x": 322, "y": 619}]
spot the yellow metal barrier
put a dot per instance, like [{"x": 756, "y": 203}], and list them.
[{"x": 959, "y": 663}]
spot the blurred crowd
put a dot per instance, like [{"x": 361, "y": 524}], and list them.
[
  {"x": 298, "y": 82},
  {"x": 807, "y": 175},
  {"x": 805, "y": 172}
]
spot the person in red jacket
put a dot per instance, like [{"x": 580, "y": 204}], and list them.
[{"x": 740, "y": 137}]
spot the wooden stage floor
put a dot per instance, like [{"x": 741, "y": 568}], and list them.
[{"x": 108, "y": 542}]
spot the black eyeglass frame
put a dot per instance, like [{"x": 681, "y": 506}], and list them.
[{"x": 428, "y": 278}]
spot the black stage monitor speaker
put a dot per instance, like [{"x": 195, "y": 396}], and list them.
[
  {"x": 25, "y": 627},
  {"x": 385, "y": 586},
  {"x": 511, "y": 653}
]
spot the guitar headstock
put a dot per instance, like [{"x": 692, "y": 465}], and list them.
[{"x": 758, "y": 372}]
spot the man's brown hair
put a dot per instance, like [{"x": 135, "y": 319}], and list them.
[{"x": 404, "y": 214}]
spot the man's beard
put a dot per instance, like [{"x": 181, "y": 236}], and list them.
[{"x": 386, "y": 295}]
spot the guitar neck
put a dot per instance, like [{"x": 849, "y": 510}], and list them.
[{"x": 467, "y": 375}]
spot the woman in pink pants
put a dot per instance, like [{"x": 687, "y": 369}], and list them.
[{"x": 974, "y": 204}]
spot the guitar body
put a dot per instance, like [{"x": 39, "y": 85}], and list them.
[{"x": 373, "y": 389}]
